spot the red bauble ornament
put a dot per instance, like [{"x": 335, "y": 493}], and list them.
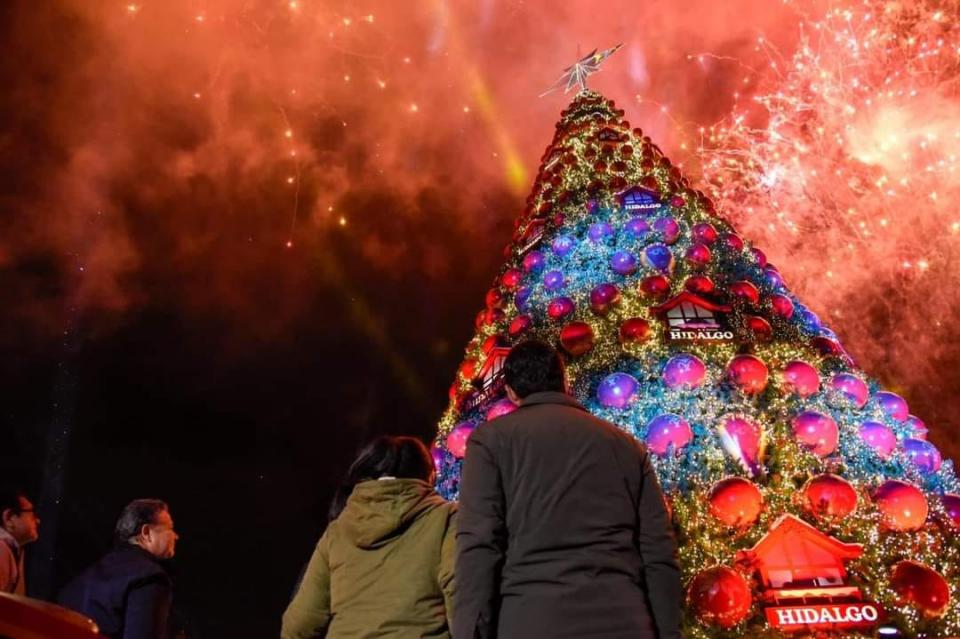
[
  {"x": 759, "y": 256},
  {"x": 495, "y": 298},
  {"x": 560, "y": 307},
  {"x": 760, "y": 328},
  {"x": 704, "y": 233},
  {"x": 699, "y": 284},
  {"x": 468, "y": 369},
  {"x": 921, "y": 586},
  {"x": 698, "y": 255},
  {"x": 826, "y": 346},
  {"x": 480, "y": 319},
  {"x": 748, "y": 373},
  {"x": 655, "y": 286},
  {"x": 677, "y": 202},
  {"x": 903, "y": 506},
  {"x": 732, "y": 241},
  {"x": 634, "y": 330},
  {"x": 720, "y": 596},
  {"x": 493, "y": 315},
  {"x": 603, "y": 297},
  {"x": 520, "y": 324},
  {"x": 510, "y": 279},
  {"x": 746, "y": 290},
  {"x": 829, "y": 497},
  {"x": 736, "y": 502},
  {"x": 576, "y": 338},
  {"x": 782, "y": 305}
]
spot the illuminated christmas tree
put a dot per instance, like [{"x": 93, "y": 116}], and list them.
[{"x": 805, "y": 498}]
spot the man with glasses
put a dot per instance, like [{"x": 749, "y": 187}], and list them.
[
  {"x": 128, "y": 592},
  {"x": 19, "y": 526}
]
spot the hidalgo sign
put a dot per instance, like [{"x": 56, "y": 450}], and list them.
[
  {"x": 803, "y": 574},
  {"x": 691, "y": 318}
]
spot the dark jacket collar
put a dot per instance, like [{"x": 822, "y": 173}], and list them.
[{"x": 550, "y": 397}]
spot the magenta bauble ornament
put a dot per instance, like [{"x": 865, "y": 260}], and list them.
[
  {"x": 560, "y": 307},
  {"x": 667, "y": 431},
  {"x": 618, "y": 390},
  {"x": 916, "y": 427},
  {"x": 893, "y": 405},
  {"x": 800, "y": 378},
  {"x": 879, "y": 437},
  {"x": 816, "y": 432},
  {"x": 500, "y": 408},
  {"x": 743, "y": 440},
  {"x": 704, "y": 233},
  {"x": 923, "y": 455},
  {"x": 851, "y": 388},
  {"x": 684, "y": 371},
  {"x": 457, "y": 439}
]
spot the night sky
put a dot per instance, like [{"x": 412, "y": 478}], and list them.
[{"x": 241, "y": 237}]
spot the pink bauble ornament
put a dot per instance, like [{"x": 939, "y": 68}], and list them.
[
  {"x": 851, "y": 388},
  {"x": 918, "y": 430},
  {"x": 903, "y": 506},
  {"x": 923, "y": 455},
  {"x": 500, "y": 408},
  {"x": 748, "y": 373},
  {"x": 742, "y": 439},
  {"x": 878, "y": 437},
  {"x": 667, "y": 431},
  {"x": 816, "y": 432},
  {"x": 736, "y": 502},
  {"x": 800, "y": 378},
  {"x": 829, "y": 497},
  {"x": 457, "y": 439},
  {"x": 684, "y": 371}
]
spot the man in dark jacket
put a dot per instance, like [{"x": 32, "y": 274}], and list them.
[
  {"x": 563, "y": 528},
  {"x": 127, "y": 592}
]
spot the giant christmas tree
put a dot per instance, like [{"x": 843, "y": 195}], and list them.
[{"x": 805, "y": 498}]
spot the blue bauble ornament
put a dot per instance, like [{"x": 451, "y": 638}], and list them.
[
  {"x": 563, "y": 245},
  {"x": 554, "y": 280},
  {"x": 809, "y": 320},
  {"x": 623, "y": 263},
  {"x": 659, "y": 257},
  {"x": 600, "y": 231},
  {"x": 618, "y": 390},
  {"x": 773, "y": 278}
]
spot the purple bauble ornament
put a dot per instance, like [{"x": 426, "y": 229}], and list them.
[
  {"x": 801, "y": 378},
  {"x": 772, "y": 277},
  {"x": 563, "y": 245},
  {"x": 600, "y": 231},
  {"x": 893, "y": 405},
  {"x": 623, "y": 263},
  {"x": 521, "y": 299},
  {"x": 851, "y": 388},
  {"x": 618, "y": 390},
  {"x": 638, "y": 228},
  {"x": 878, "y": 437},
  {"x": 668, "y": 229},
  {"x": 441, "y": 458},
  {"x": 918, "y": 430},
  {"x": 951, "y": 504},
  {"x": 667, "y": 431},
  {"x": 457, "y": 439},
  {"x": 500, "y": 408},
  {"x": 554, "y": 281},
  {"x": 923, "y": 455},
  {"x": 817, "y": 432},
  {"x": 659, "y": 257},
  {"x": 533, "y": 262},
  {"x": 684, "y": 371}
]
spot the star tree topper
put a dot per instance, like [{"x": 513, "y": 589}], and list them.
[{"x": 577, "y": 73}]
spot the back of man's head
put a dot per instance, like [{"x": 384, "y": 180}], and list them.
[
  {"x": 137, "y": 514},
  {"x": 534, "y": 367}
]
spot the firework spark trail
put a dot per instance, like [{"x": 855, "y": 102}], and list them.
[{"x": 843, "y": 167}]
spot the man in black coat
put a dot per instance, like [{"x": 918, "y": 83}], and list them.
[
  {"x": 563, "y": 530},
  {"x": 127, "y": 592}
]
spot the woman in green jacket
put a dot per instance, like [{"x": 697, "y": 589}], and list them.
[{"x": 384, "y": 566}]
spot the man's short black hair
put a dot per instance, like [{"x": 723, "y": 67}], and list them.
[
  {"x": 10, "y": 499},
  {"x": 137, "y": 514},
  {"x": 534, "y": 367}
]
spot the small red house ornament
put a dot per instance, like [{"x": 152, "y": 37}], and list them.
[{"x": 803, "y": 575}]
